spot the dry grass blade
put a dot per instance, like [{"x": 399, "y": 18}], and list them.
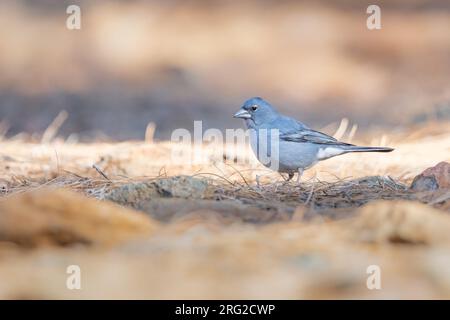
[
  {"x": 52, "y": 129},
  {"x": 100, "y": 171}
]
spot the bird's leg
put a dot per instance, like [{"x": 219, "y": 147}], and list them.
[{"x": 299, "y": 176}]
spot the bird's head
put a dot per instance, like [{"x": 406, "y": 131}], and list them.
[{"x": 256, "y": 110}]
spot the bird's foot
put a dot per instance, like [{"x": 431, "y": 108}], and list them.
[
  {"x": 299, "y": 176},
  {"x": 257, "y": 181}
]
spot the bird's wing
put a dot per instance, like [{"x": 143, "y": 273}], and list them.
[{"x": 308, "y": 135}]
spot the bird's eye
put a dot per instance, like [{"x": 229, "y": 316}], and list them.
[{"x": 254, "y": 107}]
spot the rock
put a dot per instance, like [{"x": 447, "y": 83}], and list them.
[
  {"x": 437, "y": 177},
  {"x": 422, "y": 183},
  {"x": 62, "y": 217},
  {"x": 178, "y": 187},
  {"x": 182, "y": 187}
]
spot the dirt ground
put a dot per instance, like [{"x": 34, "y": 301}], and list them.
[{"x": 141, "y": 226}]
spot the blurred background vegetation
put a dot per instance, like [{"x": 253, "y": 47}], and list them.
[{"x": 172, "y": 62}]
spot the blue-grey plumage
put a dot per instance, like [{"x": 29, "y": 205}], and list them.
[{"x": 290, "y": 144}]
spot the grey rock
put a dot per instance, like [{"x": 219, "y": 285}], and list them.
[
  {"x": 178, "y": 187},
  {"x": 424, "y": 183}
]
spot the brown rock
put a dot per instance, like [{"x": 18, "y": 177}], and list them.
[
  {"x": 437, "y": 177},
  {"x": 62, "y": 217}
]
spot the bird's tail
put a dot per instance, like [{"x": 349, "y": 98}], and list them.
[{"x": 367, "y": 149}]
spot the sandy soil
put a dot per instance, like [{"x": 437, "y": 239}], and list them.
[{"x": 140, "y": 226}]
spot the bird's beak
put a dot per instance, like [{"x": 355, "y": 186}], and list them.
[{"x": 243, "y": 114}]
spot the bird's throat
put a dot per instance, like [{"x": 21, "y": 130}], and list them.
[{"x": 249, "y": 123}]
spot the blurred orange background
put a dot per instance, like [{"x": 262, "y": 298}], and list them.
[{"x": 173, "y": 62}]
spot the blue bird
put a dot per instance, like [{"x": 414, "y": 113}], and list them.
[{"x": 287, "y": 145}]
